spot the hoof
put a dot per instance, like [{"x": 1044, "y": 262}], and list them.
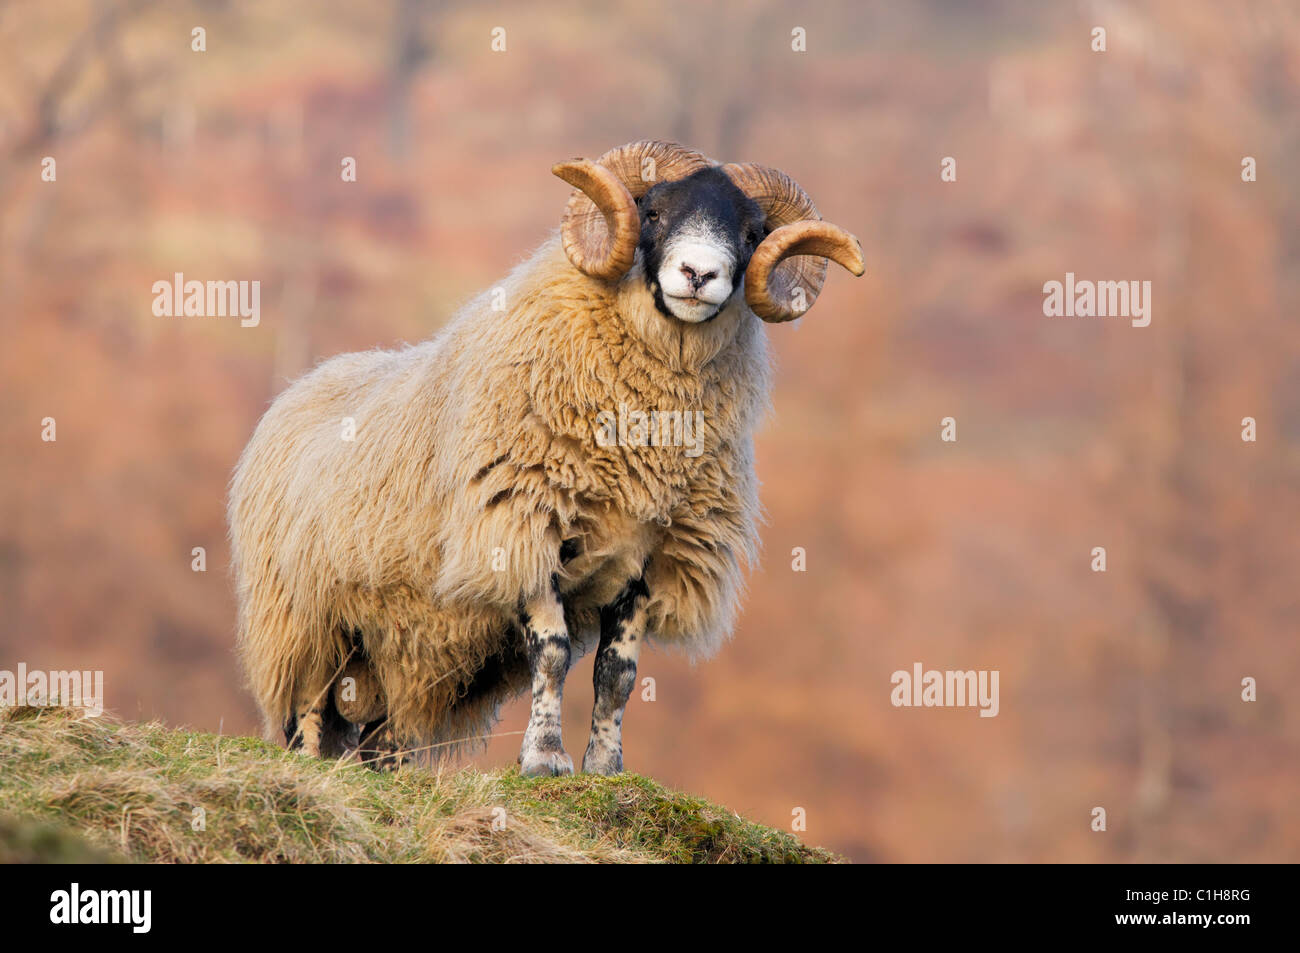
[
  {"x": 602, "y": 761},
  {"x": 545, "y": 764},
  {"x": 385, "y": 762}
]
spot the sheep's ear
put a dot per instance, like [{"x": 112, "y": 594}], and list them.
[{"x": 601, "y": 222}]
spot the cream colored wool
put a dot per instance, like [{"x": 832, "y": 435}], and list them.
[{"x": 475, "y": 456}]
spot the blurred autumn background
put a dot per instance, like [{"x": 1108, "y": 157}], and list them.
[{"x": 1119, "y": 689}]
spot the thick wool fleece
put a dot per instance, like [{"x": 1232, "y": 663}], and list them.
[{"x": 475, "y": 457}]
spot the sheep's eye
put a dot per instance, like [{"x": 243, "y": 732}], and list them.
[
  {"x": 652, "y": 216},
  {"x": 751, "y": 237}
]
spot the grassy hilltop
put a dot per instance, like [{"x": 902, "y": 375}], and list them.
[{"x": 96, "y": 790}]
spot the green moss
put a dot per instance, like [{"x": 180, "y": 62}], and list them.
[
  {"x": 25, "y": 840},
  {"x": 640, "y": 815}
]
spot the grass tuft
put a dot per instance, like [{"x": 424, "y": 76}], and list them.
[{"x": 99, "y": 790}]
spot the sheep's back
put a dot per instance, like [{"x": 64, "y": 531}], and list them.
[{"x": 330, "y": 486}]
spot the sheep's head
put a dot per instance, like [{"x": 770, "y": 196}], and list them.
[
  {"x": 699, "y": 226},
  {"x": 697, "y": 236}
]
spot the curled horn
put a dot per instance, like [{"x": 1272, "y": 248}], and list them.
[
  {"x": 601, "y": 224},
  {"x": 788, "y": 269}
]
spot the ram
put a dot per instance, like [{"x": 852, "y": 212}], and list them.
[{"x": 419, "y": 535}]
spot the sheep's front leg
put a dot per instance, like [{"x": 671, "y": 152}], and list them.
[
  {"x": 546, "y": 639},
  {"x": 622, "y": 630}
]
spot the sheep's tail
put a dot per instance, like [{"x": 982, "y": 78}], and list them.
[
  {"x": 289, "y": 656},
  {"x": 290, "y": 662}
]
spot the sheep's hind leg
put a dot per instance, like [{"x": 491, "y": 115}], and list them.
[
  {"x": 316, "y": 728},
  {"x": 546, "y": 639},
  {"x": 622, "y": 630},
  {"x": 380, "y": 747},
  {"x": 304, "y": 729}
]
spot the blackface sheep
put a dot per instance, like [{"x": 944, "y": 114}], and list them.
[{"x": 419, "y": 535}]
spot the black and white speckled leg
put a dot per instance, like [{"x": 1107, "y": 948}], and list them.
[
  {"x": 546, "y": 639},
  {"x": 379, "y": 747},
  {"x": 622, "y": 631},
  {"x": 304, "y": 729}
]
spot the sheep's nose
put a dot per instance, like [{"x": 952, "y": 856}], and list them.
[{"x": 697, "y": 278}]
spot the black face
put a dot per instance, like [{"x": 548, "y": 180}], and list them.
[{"x": 697, "y": 236}]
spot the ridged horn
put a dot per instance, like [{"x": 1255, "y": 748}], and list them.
[
  {"x": 601, "y": 224},
  {"x": 788, "y": 269}
]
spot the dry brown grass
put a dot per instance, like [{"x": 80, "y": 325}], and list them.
[{"x": 104, "y": 789}]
